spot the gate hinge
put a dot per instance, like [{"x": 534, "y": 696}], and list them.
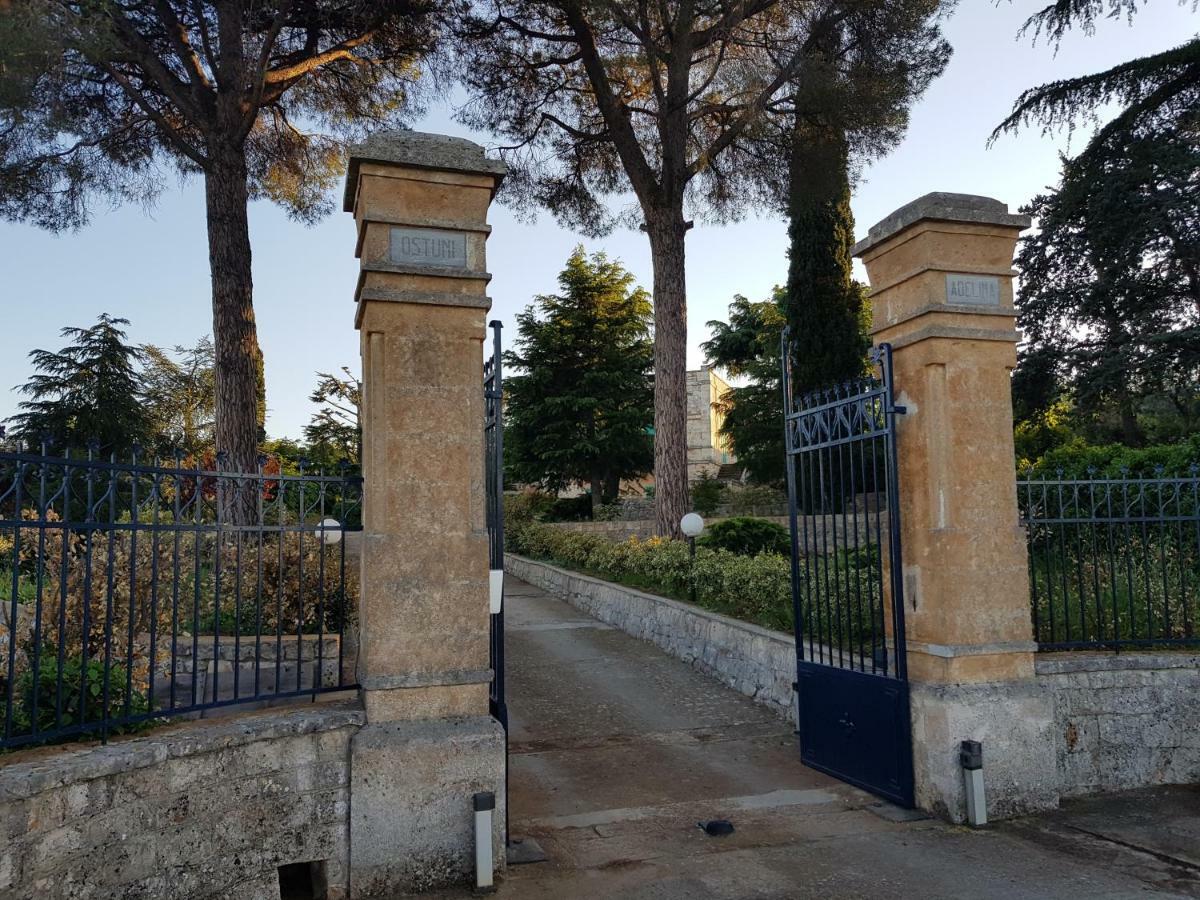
[
  {"x": 900, "y": 410},
  {"x": 795, "y": 686}
]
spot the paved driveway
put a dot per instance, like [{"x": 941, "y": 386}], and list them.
[{"x": 619, "y": 750}]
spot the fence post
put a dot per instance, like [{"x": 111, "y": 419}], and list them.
[
  {"x": 941, "y": 291},
  {"x": 420, "y": 205}
]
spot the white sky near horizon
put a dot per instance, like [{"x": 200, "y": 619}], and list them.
[{"x": 151, "y": 266}]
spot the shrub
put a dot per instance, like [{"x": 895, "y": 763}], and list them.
[
  {"x": 82, "y": 694},
  {"x": 748, "y": 536},
  {"x": 707, "y": 494},
  {"x": 1080, "y": 460},
  {"x": 571, "y": 509},
  {"x": 752, "y": 588}
]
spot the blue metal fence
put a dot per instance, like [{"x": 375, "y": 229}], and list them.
[
  {"x": 132, "y": 591},
  {"x": 1114, "y": 563}
]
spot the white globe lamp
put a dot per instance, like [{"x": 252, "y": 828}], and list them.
[
  {"x": 330, "y": 531},
  {"x": 692, "y": 525}
]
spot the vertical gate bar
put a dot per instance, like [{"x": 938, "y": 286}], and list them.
[
  {"x": 89, "y": 533},
  {"x": 840, "y": 596},
  {"x": 39, "y": 585},
  {"x": 155, "y": 541},
  {"x": 856, "y": 443},
  {"x": 1114, "y": 577},
  {"x": 133, "y": 531},
  {"x": 319, "y": 666},
  {"x": 260, "y": 513},
  {"x": 878, "y": 441},
  {"x": 895, "y": 554},
  {"x": 867, "y": 491},
  {"x": 11, "y": 680},
  {"x": 300, "y": 580},
  {"x": 790, "y": 464},
  {"x": 63, "y": 575},
  {"x": 105, "y": 711},
  {"x": 1078, "y": 528},
  {"x": 176, "y": 509}
]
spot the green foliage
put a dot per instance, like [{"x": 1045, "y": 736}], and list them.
[
  {"x": 824, "y": 305},
  {"x": 87, "y": 390},
  {"x": 82, "y": 695},
  {"x": 1080, "y": 460},
  {"x": 335, "y": 431},
  {"x": 580, "y": 404},
  {"x": 179, "y": 391},
  {"x": 747, "y": 536},
  {"x": 1152, "y": 92},
  {"x": 1108, "y": 299},
  {"x": 752, "y": 588},
  {"x": 707, "y": 493},
  {"x": 115, "y": 100},
  {"x": 570, "y": 509},
  {"x": 747, "y": 347}
]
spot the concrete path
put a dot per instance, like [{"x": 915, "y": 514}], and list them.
[{"x": 618, "y": 750}]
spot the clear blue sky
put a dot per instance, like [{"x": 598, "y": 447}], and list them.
[{"x": 151, "y": 266}]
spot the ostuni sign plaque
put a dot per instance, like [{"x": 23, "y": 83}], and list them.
[
  {"x": 428, "y": 247},
  {"x": 973, "y": 290}
]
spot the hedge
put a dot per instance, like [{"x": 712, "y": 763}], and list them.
[{"x": 751, "y": 588}]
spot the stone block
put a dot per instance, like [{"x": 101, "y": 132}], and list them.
[
  {"x": 411, "y": 820},
  {"x": 1014, "y": 721}
]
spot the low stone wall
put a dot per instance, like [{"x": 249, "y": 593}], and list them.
[
  {"x": 755, "y": 661},
  {"x": 1124, "y": 720},
  {"x": 209, "y": 808}
]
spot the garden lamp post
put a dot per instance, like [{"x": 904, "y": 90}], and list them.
[{"x": 692, "y": 526}]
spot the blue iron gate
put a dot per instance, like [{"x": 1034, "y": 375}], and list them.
[
  {"x": 493, "y": 429},
  {"x": 851, "y": 674},
  {"x": 493, "y": 432}
]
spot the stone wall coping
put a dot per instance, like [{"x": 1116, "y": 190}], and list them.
[
  {"x": 688, "y": 608},
  {"x": 421, "y": 150},
  {"x": 1067, "y": 662},
  {"x": 36, "y": 770},
  {"x": 943, "y": 207}
]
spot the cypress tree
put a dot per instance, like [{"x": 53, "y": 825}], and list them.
[{"x": 824, "y": 305}]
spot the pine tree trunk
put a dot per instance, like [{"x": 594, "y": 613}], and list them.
[
  {"x": 667, "y": 232},
  {"x": 235, "y": 338}
]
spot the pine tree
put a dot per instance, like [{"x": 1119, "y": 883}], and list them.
[
  {"x": 117, "y": 100},
  {"x": 87, "y": 391},
  {"x": 581, "y": 402}
]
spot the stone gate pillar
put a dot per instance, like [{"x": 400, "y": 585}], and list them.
[
  {"x": 420, "y": 205},
  {"x": 941, "y": 290}
]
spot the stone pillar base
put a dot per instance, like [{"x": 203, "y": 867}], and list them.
[
  {"x": 411, "y": 817},
  {"x": 1015, "y": 722}
]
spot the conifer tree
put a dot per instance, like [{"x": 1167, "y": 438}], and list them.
[
  {"x": 580, "y": 405},
  {"x": 87, "y": 391}
]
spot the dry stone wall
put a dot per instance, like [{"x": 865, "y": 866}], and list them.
[{"x": 202, "y": 809}]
